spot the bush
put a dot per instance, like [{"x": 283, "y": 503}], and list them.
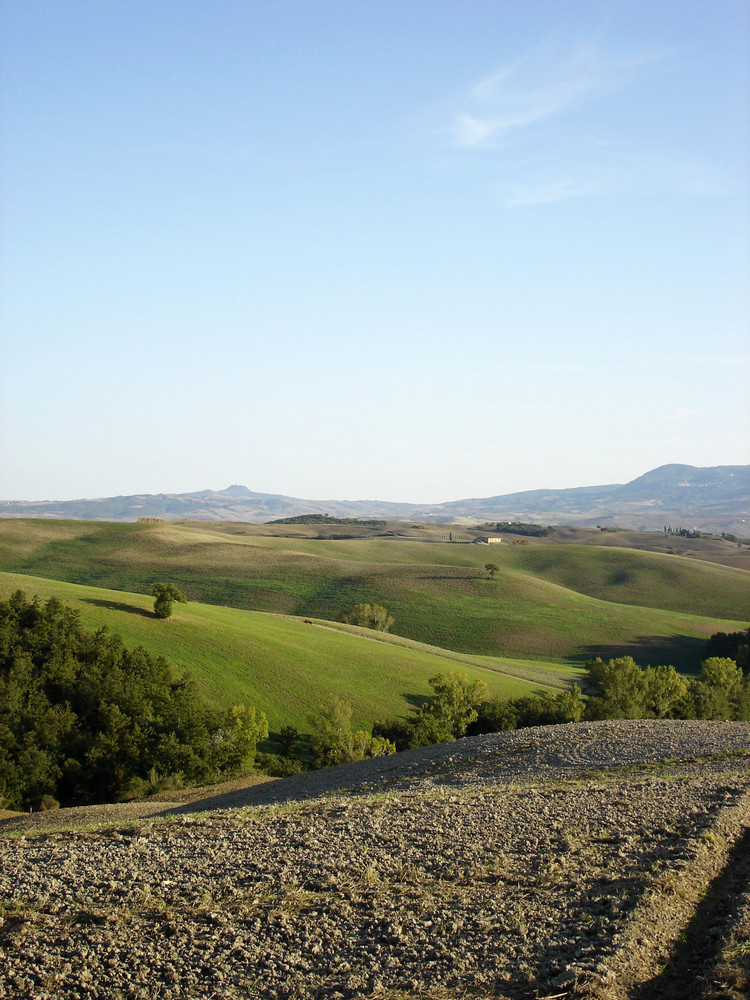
[{"x": 278, "y": 767}]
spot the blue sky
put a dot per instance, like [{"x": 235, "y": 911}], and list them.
[{"x": 400, "y": 250}]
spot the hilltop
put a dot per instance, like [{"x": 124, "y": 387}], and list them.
[
  {"x": 603, "y": 860},
  {"x": 715, "y": 499}
]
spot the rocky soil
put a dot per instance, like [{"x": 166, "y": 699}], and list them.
[{"x": 607, "y": 860}]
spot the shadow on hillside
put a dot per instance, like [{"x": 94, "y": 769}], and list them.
[
  {"x": 296, "y": 788},
  {"x": 685, "y": 652},
  {"x": 472, "y": 574},
  {"x": 130, "y": 609}
]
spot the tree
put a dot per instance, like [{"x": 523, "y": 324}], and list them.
[
  {"x": 721, "y": 692},
  {"x": 492, "y": 568},
  {"x": 369, "y": 616},
  {"x": 235, "y": 743},
  {"x": 453, "y": 706},
  {"x": 333, "y": 741},
  {"x": 621, "y": 689},
  {"x": 166, "y": 594},
  {"x": 665, "y": 692}
]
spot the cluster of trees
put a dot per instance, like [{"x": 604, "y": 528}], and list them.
[
  {"x": 446, "y": 715},
  {"x": 333, "y": 741},
  {"x": 373, "y": 616},
  {"x": 623, "y": 690},
  {"x": 326, "y": 519},
  {"x": 524, "y": 528},
  {"x": 619, "y": 689},
  {"x": 734, "y": 645},
  {"x": 83, "y": 719}
]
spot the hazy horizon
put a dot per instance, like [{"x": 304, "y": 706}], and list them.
[{"x": 339, "y": 499}]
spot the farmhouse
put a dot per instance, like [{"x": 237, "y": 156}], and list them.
[
  {"x": 150, "y": 520},
  {"x": 486, "y": 540}
]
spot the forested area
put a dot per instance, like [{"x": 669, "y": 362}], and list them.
[{"x": 83, "y": 719}]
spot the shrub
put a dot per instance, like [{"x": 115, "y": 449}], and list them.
[{"x": 278, "y": 767}]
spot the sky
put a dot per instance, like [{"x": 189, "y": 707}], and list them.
[{"x": 408, "y": 250}]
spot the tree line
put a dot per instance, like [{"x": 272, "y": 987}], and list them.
[{"x": 617, "y": 689}]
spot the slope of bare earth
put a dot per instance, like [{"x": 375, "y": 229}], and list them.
[{"x": 606, "y": 860}]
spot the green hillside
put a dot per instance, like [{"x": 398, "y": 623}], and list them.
[
  {"x": 548, "y": 601},
  {"x": 647, "y": 579},
  {"x": 281, "y": 664}
]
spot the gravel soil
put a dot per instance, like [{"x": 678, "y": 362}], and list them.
[{"x": 607, "y": 860}]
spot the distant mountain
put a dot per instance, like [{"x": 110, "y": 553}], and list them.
[{"x": 709, "y": 499}]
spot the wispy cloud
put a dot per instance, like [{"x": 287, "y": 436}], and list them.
[
  {"x": 542, "y": 85},
  {"x": 596, "y": 175},
  {"x": 548, "y": 128}
]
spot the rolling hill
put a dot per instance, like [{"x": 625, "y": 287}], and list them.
[
  {"x": 283, "y": 665},
  {"x": 554, "y": 602}
]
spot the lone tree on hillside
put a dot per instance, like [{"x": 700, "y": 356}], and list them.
[
  {"x": 166, "y": 594},
  {"x": 492, "y": 568},
  {"x": 369, "y": 616}
]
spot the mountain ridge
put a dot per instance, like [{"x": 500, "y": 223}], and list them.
[{"x": 712, "y": 498}]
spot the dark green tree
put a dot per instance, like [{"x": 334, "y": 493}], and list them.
[
  {"x": 492, "y": 568},
  {"x": 166, "y": 594}
]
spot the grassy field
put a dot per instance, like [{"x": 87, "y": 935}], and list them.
[
  {"x": 282, "y": 665},
  {"x": 562, "y": 601}
]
